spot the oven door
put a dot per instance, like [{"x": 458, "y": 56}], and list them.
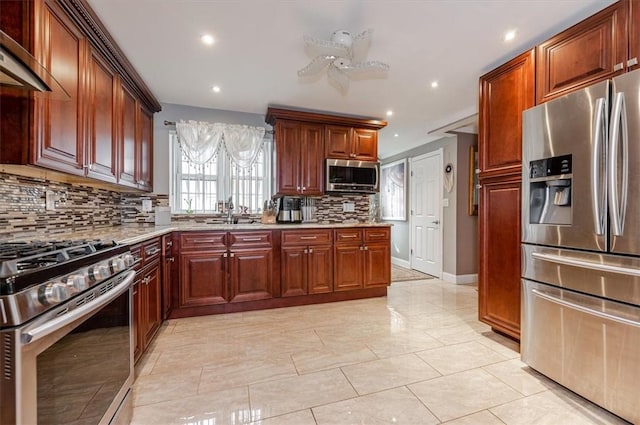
[{"x": 78, "y": 367}]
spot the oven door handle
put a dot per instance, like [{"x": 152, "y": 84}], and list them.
[{"x": 62, "y": 321}]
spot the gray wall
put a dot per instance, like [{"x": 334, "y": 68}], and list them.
[
  {"x": 459, "y": 231},
  {"x": 173, "y": 112}
]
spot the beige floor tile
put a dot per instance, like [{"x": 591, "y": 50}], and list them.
[
  {"x": 388, "y": 373},
  {"x": 304, "y": 417},
  {"x": 520, "y": 377},
  {"x": 396, "y": 406},
  {"x": 402, "y": 343},
  {"x": 193, "y": 356},
  {"x": 552, "y": 408},
  {"x": 230, "y": 407},
  {"x": 149, "y": 389},
  {"x": 456, "y": 358},
  {"x": 146, "y": 363},
  {"x": 503, "y": 345},
  {"x": 481, "y": 418},
  {"x": 331, "y": 357},
  {"x": 453, "y": 396},
  {"x": 236, "y": 372},
  {"x": 275, "y": 398}
]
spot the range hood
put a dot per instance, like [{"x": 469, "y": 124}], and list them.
[{"x": 20, "y": 70}]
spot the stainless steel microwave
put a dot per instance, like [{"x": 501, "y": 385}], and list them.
[{"x": 352, "y": 176}]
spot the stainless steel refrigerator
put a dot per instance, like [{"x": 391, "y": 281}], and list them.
[{"x": 581, "y": 242}]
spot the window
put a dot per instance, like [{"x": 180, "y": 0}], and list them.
[{"x": 206, "y": 188}]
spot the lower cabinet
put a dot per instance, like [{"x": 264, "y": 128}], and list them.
[
  {"x": 306, "y": 262},
  {"x": 250, "y": 274},
  {"x": 362, "y": 258},
  {"x": 147, "y": 294},
  {"x": 203, "y": 278}
]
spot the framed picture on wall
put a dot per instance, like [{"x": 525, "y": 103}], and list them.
[
  {"x": 393, "y": 182},
  {"x": 473, "y": 181}
]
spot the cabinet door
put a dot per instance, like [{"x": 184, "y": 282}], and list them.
[
  {"x": 365, "y": 144},
  {"x": 127, "y": 138},
  {"x": 312, "y": 160},
  {"x": 153, "y": 300},
  {"x": 251, "y": 274},
  {"x": 348, "y": 267},
  {"x": 504, "y": 93},
  {"x": 202, "y": 278},
  {"x": 62, "y": 49},
  {"x": 101, "y": 137},
  {"x": 288, "y": 157},
  {"x": 588, "y": 52},
  {"x": 320, "y": 269},
  {"x": 337, "y": 140},
  {"x": 634, "y": 35},
  {"x": 294, "y": 271},
  {"x": 377, "y": 264},
  {"x": 499, "y": 263},
  {"x": 138, "y": 316},
  {"x": 144, "y": 159}
]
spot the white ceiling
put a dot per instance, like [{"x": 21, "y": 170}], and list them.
[{"x": 259, "y": 49}]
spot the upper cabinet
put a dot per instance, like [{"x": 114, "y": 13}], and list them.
[
  {"x": 600, "y": 47},
  {"x": 303, "y": 141},
  {"x": 504, "y": 93},
  {"x": 351, "y": 143},
  {"x": 104, "y": 130}
]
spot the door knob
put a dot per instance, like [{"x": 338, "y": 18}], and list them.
[{"x": 436, "y": 222}]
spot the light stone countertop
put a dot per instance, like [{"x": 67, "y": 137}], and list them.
[{"x": 130, "y": 234}]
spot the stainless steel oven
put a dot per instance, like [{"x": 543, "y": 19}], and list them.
[{"x": 67, "y": 354}]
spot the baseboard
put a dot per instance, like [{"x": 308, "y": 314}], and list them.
[
  {"x": 400, "y": 262},
  {"x": 460, "y": 279}
]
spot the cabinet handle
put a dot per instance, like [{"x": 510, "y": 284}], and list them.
[
  {"x": 251, "y": 239},
  {"x": 618, "y": 66},
  {"x": 88, "y": 167},
  {"x": 304, "y": 188},
  {"x": 232, "y": 255},
  {"x": 308, "y": 237},
  {"x": 361, "y": 248},
  {"x": 225, "y": 255},
  {"x": 146, "y": 280},
  {"x": 348, "y": 236},
  {"x": 306, "y": 251},
  {"x": 203, "y": 241},
  {"x": 169, "y": 243},
  {"x": 632, "y": 61},
  {"x": 298, "y": 188},
  {"x": 366, "y": 248},
  {"x": 310, "y": 250},
  {"x": 171, "y": 259},
  {"x": 152, "y": 251},
  {"x": 478, "y": 186},
  {"x": 375, "y": 235}
]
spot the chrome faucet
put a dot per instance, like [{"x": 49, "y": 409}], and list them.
[{"x": 229, "y": 219}]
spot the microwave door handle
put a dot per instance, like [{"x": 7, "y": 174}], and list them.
[
  {"x": 618, "y": 198},
  {"x": 598, "y": 189}
]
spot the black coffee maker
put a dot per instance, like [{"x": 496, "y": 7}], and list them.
[{"x": 289, "y": 211}]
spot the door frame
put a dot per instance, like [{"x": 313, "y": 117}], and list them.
[{"x": 437, "y": 152}]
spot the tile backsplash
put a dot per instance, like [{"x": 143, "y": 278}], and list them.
[{"x": 23, "y": 208}]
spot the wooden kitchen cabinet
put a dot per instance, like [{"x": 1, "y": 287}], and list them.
[
  {"x": 351, "y": 143},
  {"x": 362, "y": 258},
  {"x": 168, "y": 260},
  {"x": 593, "y": 50},
  {"x": 504, "y": 94},
  {"x": 88, "y": 134},
  {"x": 300, "y": 157},
  {"x": 499, "y": 264},
  {"x": 306, "y": 262}
]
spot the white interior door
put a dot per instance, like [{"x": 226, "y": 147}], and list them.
[{"x": 426, "y": 211}]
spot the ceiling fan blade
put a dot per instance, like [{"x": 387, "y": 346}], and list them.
[
  {"x": 338, "y": 77},
  {"x": 316, "y": 65},
  {"x": 365, "y": 67},
  {"x": 360, "y": 45},
  {"x": 320, "y": 47}
]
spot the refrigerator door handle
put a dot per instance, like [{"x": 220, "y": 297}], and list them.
[
  {"x": 568, "y": 261},
  {"x": 598, "y": 188},
  {"x": 618, "y": 131},
  {"x": 584, "y": 309}
]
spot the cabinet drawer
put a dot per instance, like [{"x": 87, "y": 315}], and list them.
[
  {"x": 306, "y": 237},
  {"x": 136, "y": 252},
  {"x": 377, "y": 234},
  {"x": 205, "y": 240},
  {"x": 250, "y": 239},
  {"x": 348, "y": 235},
  {"x": 151, "y": 250}
]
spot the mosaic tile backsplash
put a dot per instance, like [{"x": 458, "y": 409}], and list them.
[{"x": 23, "y": 208}]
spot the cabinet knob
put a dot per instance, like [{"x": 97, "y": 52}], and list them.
[
  {"x": 232, "y": 255},
  {"x": 310, "y": 250},
  {"x": 171, "y": 259},
  {"x": 304, "y": 188},
  {"x": 298, "y": 188}
]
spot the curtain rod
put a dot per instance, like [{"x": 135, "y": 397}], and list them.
[{"x": 174, "y": 123}]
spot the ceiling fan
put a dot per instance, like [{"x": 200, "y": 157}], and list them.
[{"x": 344, "y": 57}]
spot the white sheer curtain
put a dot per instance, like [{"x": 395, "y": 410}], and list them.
[
  {"x": 243, "y": 143},
  {"x": 199, "y": 140}
]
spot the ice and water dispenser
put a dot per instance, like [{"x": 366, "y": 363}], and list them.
[{"x": 550, "y": 190}]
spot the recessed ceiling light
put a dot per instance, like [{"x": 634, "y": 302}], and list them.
[
  {"x": 207, "y": 39},
  {"x": 396, "y": 135},
  {"x": 510, "y": 35},
  {"x": 434, "y": 84},
  {"x": 389, "y": 112},
  {"x": 215, "y": 89}
]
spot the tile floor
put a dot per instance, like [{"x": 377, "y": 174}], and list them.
[{"x": 416, "y": 357}]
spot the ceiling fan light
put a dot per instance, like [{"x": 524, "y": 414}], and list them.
[{"x": 342, "y": 37}]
